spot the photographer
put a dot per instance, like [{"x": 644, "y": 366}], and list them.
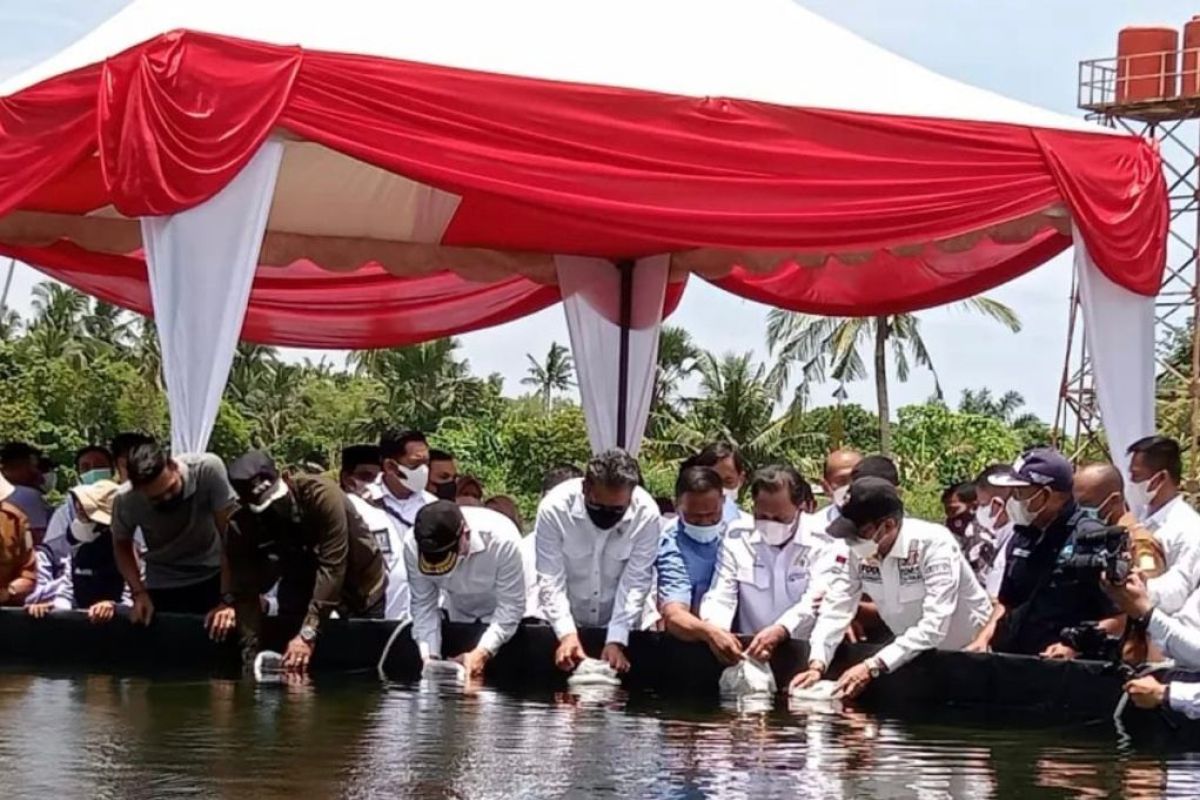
[{"x": 1040, "y": 595}]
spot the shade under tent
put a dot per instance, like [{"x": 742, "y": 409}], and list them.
[{"x": 371, "y": 173}]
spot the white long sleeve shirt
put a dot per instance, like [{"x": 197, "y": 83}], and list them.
[
  {"x": 486, "y": 585},
  {"x": 756, "y": 585},
  {"x": 1184, "y": 698},
  {"x": 388, "y": 535},
  {"x": 591, "y": 577},
  {"x": 924, "y": 589},
  {"x": 1176, "y": 526},
  {"x": 1178, "y": 634}
]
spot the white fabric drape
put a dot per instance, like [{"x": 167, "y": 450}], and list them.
[
  {"x": 591, "y": 290},
  {"x": 1120, "y": 340},
  {"x": 201, "y": 264}
]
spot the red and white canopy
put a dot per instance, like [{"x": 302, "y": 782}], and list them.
[{"x": 437, "y": 157}]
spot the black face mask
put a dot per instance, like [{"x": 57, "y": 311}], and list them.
[
  {"x": 958, "y": 525},
  {"x": 604, "y": 517},
  {"x": 445, "y": 491}
]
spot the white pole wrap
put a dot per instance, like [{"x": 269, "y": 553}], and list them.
[
  {"x": 591, "y": 291},
  {"x": 1120, "y": 341},
  {"x": 201, "y": 264}
]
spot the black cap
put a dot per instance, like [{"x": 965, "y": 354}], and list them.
[
  {"x": 876, "y": 466},
  {"x": 437, "y": 530},
  {"x": 254, "y": 478},
  {"x": 870, "y": 500},
  {"x": 1041, "y": 466}
]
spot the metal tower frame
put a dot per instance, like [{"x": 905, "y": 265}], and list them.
[{"x": 1172, "y": 123}]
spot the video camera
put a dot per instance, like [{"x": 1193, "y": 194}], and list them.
[
  {"x": 1092, "y": 642},
  {"x": 1098, "y": 548}
]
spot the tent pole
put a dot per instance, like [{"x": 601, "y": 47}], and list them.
[{"x": 626, "y": 269}]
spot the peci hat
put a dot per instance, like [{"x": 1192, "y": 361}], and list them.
[
  {"x": 1041, "y": 466},
  {"x": 256, "y": 480},
  {"x": 437, "y": 531},
  {"x": 96, "y": 500},
  {"x": 870, "y": 499}
]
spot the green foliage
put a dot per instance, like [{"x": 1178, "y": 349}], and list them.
[
  {"x": 934, "y": 445},
  {"x": 80, "y": 371}
]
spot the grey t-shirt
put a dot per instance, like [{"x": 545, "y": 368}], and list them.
[{"x": 183, "y": 546}]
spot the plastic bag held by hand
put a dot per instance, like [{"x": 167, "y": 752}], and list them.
[
  {"x": 440, "y": 669},
  {"x": 594, "y": 672},
  {"x": 268, "y": 667},
  {"x": 747, "y": 678},
  {"x": 821, "y": 690}
]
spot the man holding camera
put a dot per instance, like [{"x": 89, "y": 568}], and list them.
[{"x": 1040, "y": 595}]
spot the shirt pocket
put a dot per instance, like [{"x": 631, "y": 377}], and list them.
[
  {"x": 751, "y": 573},
  {"x": 797, "y": 582},
  {"x": 615, "y": 556},
  {"x": 911, "y": 592}
]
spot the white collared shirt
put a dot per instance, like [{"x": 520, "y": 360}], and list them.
[
  {"x": 391, "y": 546},
  {"x": 1176, "y": 526},
  {"x": 1178, "y": 634},
  {"x": 755, "y": 584},
  {"x": 591, "y": 577},
  {"x": 924, "y": 589},
  {"x": 820, "y": 521},
  {"x": 486, "y": 585}
]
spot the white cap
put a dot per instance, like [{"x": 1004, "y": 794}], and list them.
[{"x": 6, "y": 489}]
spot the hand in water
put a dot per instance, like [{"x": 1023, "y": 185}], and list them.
[
  {"x": 220, "y": 621},
  {"x": 474, "y": 661},
  {"x": 763, "y": 645},
  {"x": 853, "y": 681},
  {"x": 614, "y": 654},
  {"x": 805, "y": 679},
  {"x": 297, "y": 656},
  {"x": 569, "y": 653}
]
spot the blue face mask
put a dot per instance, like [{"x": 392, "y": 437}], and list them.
[
  {"x": 704, "y": 534},
  {"x": 95, "y": 475}
]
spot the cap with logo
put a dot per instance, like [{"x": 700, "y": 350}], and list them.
[
  {"x": 256, "y": 480},
  {"x": 437, "y": 531},
  {"x": 870, "y": 499},
  {"x": 1041, "y": 466},
  {"x": 96, "y": 500}
]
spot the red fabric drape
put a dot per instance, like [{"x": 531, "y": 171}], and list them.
[{"x": 592, "y": 170}]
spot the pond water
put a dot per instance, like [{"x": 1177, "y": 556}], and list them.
[{"x": 65, "y": 736}]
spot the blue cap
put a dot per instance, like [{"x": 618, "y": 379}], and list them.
[{"x": 1042, "y": 466}]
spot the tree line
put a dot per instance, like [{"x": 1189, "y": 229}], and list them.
[{"x": 78, "y": 370}]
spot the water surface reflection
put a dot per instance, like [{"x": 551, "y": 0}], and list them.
[{"x": 105, "y": 736}]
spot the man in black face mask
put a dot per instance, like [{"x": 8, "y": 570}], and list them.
[
  {"x": 302, "y": 531},
  {"x": 182, "y": 505},
  {"x": 596, "y": 539},
  {"x": 443, "y": 475}
]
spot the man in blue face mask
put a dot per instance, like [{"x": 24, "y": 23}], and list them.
[{"x": 687, "y": 558}]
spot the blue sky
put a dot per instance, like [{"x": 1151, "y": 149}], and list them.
[{"x": 1026, "y": 49}]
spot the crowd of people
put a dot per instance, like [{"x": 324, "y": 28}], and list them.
[{"x": 732, "y": 558}]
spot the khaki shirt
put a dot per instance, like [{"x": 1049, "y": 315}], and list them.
[{"x": 17, "y": 559}]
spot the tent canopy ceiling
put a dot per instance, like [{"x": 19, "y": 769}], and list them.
[{"x": 765, "y": 148}]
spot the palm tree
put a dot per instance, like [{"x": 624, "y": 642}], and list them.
[
  {"x": 146, "y": 352},
  {"x": 422, "y": 383},
  {"x": 555, "y": 374},
  {"x": 678, "y": 360},
  {"x": 830, "y": 346},
  {"x": 58, "y": 307}
]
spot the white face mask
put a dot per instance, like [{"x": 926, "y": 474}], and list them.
[
  {"x": 1140, "y": 497},
  {"x": 863, "y": 548},
  {"x": 703, "y": 534},
  {"x": 840, "y": 494},
  {"x": 84, "y": 531},
  {"x": 775, "y": 533},
  {"x": 731, "y": 495},
  {"x": 1018, "y": 511},
  {"x": 415, "y": 479},
  {"x": 984, "y": 518}
]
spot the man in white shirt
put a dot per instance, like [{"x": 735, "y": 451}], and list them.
[
  {"x": 596, "y": 540},
  {"x": 470, "y": 558},
  {"x": 1155, "y": 473},
  {"x": 400, "y": 488},
  {"x": 360, "y": 468},
  {"x": 768, "y": 577},
  {"x": 924, "y": 589},
  {"x": 835, "y": 480},
  {"x": 991, "y": 516}
]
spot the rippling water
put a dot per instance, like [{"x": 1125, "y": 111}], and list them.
[{"x": 134, "y": 737}]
